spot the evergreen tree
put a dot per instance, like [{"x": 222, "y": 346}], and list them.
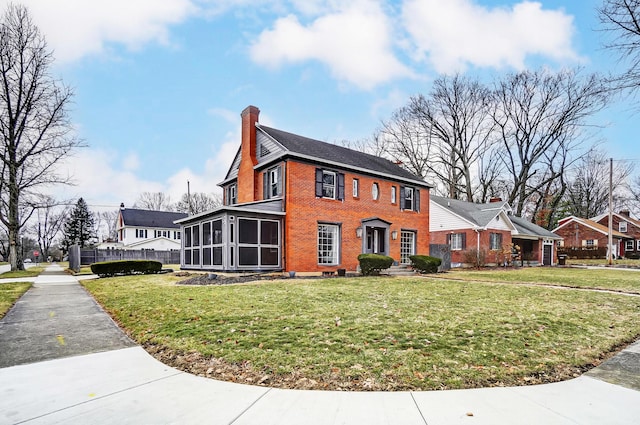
[{"x": 79, "y": 226}]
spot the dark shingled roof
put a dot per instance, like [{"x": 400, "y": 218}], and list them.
[
  {"x": 299, "y": 145},
  {"x": 525, "y": 227},
  {"x": 150, "y": 218}
]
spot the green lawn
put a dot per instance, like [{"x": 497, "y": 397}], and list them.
[
  {"x": 609, "y": 279},
  {"x": 374, "y": 333},
  {"x": 30, "y": 272},
  {"x": 9, "y": 293},
  {"x": 603, "y": 262}
]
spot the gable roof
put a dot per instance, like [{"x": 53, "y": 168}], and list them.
[
  {"x": 629, "y": 220},
  {"x": 327, "y": 153},
  {"x": 526, "y": 228},
  {"x": 592, "y": 224},
  {"x": 150, "y": 218},
  {"x": 476, "y": 214}
]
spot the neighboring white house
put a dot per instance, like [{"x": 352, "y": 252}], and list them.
[{"x": 147, "y": 229}]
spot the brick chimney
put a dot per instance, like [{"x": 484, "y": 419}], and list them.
[
  {"x": 247, "y": 179},
  {"x": 495, "y": 199},
  {"x": 625, "y": 213}
]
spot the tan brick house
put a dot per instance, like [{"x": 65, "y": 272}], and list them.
[{"x": 299, "y": 204}]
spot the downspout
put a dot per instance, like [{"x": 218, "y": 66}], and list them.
[{"x": 478, "y": 230}]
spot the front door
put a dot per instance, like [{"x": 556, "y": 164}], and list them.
[
  {"x": 546, "y": 255},
  {"x": 376, "y": 240}
]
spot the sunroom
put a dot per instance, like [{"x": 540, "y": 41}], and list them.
[{"x": 232, "y": 239}]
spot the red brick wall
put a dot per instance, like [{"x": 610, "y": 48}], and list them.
[
  {"x": 247, "y": 179},
  {"x": 304, "y": 211},
  {"x": 632, "y": 231},
  {"x": 574, "y": 238},
  {"x": 441, "y": 237}
]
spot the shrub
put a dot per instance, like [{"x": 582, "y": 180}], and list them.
[
  {"x": 371, "y": 264},
  {"x": 475, "y": 258},
  {"x": 425, "y": 264},
  {"x": 124, "y": 267}
]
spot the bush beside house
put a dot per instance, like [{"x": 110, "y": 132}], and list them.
[
  {"x": 425, "y": 263},
  {"x": 126, "y": 267},
  {"x": 372, "y": 264}
]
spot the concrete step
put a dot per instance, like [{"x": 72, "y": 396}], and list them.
[{"x": 400, "y": 270}]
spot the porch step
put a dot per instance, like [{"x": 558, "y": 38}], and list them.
[{"x": 401, "y": 270}]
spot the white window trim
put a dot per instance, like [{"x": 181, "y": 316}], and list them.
[
  {"x": 394, "y": 195},
  {"x": 333, "y": 187},
  {"x": 456, "y": 242},
  {"x": 628, "y": 245},
  {"x": 356, "y": 188},
  {"x": 375, "y": 191},
  {"x": 409, "y": 196},
  {"x": 334, "y": 230},
  {"x": 622, "y": 227}
]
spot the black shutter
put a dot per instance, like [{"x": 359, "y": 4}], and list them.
[
  {"x": 449, "y": 239},
  {"x": 280, "y": 178},
  {"x": 464, "y": 240},
  {"x": 318, "y": 182},
  {"x": 402, "y": 198},
  {"x": 340, "y": 186},
  {"x": 265, "y": 186},
  {"x": 417, "y": 200}
]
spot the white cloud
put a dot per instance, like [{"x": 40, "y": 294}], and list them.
[
  {"x": 131, "y": 162},
  {"x": 355, "y": 42},
  {"x": 98, "y": 179},
  {"x": 455, "y": 33},
  {"x": 76, "y": 28}
]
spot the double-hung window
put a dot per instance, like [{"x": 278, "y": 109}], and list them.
[
  {"x": 328, "y": 244},
  {"x": 409, "y": 199},
  {"x": 628, "y": 245},
  {"x": 232, "y": 194},
  {"x": 329, "y": 184},
  {"x": 495, "y": 241},
  {"x": 622, "y": 227},
  {"x": 273, "y": 183},
  {"x": 457, "y": 241},
  {"x": 356, "y": 188}
]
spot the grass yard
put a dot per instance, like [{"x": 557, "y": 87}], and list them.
[
  {"x": 371, "y": 333},
  {"x": 609, "y": 279},
  {"x": 603, "y": 262},
  {"x": 30, "y": 272},
  {"x": 9, "y": 294}
]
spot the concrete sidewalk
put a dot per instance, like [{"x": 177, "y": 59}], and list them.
[{"x": 127, "y": 385}]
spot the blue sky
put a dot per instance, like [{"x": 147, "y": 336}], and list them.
[{"x": 159, "y": 85}]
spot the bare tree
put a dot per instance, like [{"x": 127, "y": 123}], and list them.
[
  {"x": 50, "y": 217},
  {"x": 588, "y": 192},
  {"x": 199, "y": 202},
  {"x": 621, "y": 20},
  {"x": 458, "y": 116},
  {"x": 34, "y": 125},
  {"x": 541, "y": 117},
  {"x": 157, "y": 201},
  {"x": 404, "y": 140},
  {"x": 110, "y": 220}
]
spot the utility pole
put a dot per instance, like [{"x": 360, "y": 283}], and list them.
[{"x": 610, "y": 211}]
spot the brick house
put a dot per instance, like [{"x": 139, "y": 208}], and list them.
[
  {"x": 298, "y": 204},
  {"x": 585, "y": 234},
  {"x": 627, "y": 225},
  {"x": 470, "y": 228}
]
